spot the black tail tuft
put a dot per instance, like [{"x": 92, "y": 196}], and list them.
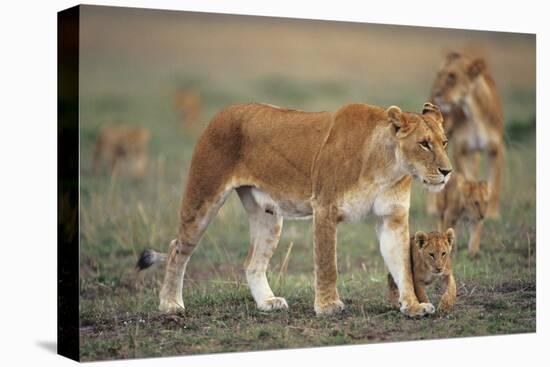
[{"x": 147, "y": 258}]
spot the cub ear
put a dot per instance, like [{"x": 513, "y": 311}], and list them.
[
  {"x": 476, "y": 67},
  {"x": 450, "y": 234},
  {"x": 421, "y": 238},
  {"x": 433, "y": 111}
]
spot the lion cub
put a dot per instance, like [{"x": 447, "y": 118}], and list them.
[
  {"x": 467, "y": 201},
  {"x": 430, "y": 259}
]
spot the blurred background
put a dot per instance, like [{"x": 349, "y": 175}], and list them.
[{"x": 169, "y": 72}]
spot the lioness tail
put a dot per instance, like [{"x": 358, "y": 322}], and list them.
[{"x": 148, "y": 258}]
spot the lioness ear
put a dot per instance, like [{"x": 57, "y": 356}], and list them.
[
  {"x": 450, "y": 234},
  {"x": 476, "y": 67},
  {"x": 433, "y": 111},
  {"x": 395, "y": 116},
  {"x": 453, "y": 55},
  {"x": 420, "y": 238},
  {"x": 399, "y": 122}
]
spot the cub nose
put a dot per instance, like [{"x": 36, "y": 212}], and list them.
[
  {"x": 444, "y": 171},
  {"x": 438, "y": 269}
]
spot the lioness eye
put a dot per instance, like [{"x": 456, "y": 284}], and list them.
[
  {"x": 443, "y": 254},
  {"x": 425, "y": 145},
  {"x": 445, "y": 143},
  {"x": 432, "y": 255}
]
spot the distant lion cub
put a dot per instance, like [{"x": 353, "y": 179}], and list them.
[
  {"x": 467, "y": 201},
  {"x": 430, "y": 259}
]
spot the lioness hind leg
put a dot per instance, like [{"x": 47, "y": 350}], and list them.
[
  {"x": 496, "y": 165},
  {"x": 194, "y": 221},
  {"x": 265, "y": 230}
]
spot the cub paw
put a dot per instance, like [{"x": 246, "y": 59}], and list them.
[
  {"x": 273, "y": 303},
  {"x": 329, "y": 308},
  {"x": 444, "y": 307},
  {"x": 171, "y": 306},
  {"x": 417, "y": 309}
]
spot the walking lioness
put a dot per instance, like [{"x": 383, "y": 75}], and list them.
[
  {"x": 469, "y": 99},
  {"x": 332, "y": 166}
]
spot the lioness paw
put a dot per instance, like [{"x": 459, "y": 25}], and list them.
[
  {"x": 428, "y": 308},
  {"x": 273, "y": 303},
  {"x": 329, "y": 308},
  {"x": 171, "y": 306},
  {"x": 417, "y": 309}
]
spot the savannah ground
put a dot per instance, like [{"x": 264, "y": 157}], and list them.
[{"x": 132, "y": 63}]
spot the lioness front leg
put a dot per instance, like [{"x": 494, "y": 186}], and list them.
[
  {"x": 327, "y": 300},
  {"x": 475, "y": 237},
  {"x": 393, "y": 234}
]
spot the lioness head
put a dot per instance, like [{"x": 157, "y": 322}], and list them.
[
  {"x": 422, "y": 145},
  {"x": 435, "y": 248},
  {"x": 475, "y": 196},
  {"x": 455, "y": 79}
]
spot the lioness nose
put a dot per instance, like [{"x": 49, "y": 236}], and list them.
[{"x": 444, "y": 171}]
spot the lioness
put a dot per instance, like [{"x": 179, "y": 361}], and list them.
[
  {"x": 430, "y": 259},
  {"x": 123, "y": 149},
  {"x": 470, "y": 103},
  {"x": 332, "y": 166},
  {"x": 467, "y": 201}
]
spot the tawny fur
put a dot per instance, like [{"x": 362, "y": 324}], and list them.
[
  {"x": 465, "y": 201},
  {"x": 332, "y": 166},
  {"x": 122, "y": 149},
  {"x": 431, "y": 259},
  {"x": 468, "y": 97}
]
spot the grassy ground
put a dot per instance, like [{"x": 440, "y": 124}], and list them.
[{"x": 122, "y": 216}]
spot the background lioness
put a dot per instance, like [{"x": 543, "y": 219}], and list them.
[
  {"x": 332, "y": 166},
  {"x": 122, "y": 149},
  {"x": 469, "y": 100},
  {"x": 431, "y": 259}
]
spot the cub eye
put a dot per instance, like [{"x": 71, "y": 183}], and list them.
[
  {"x": 425, "y": 145},
  {"x": 445, "y": 144},
  {"x": 451, "y": 78},
  {"x": 443, "y": 254},
  {"x": 432, "y": 255}
]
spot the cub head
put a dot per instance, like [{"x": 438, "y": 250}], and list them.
[
  {"x": 435, "y": 248},
  {"x": 455, "y": 79},
  {"x": 422, "y": 145},
  {"x": 475, "y": 196}
]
